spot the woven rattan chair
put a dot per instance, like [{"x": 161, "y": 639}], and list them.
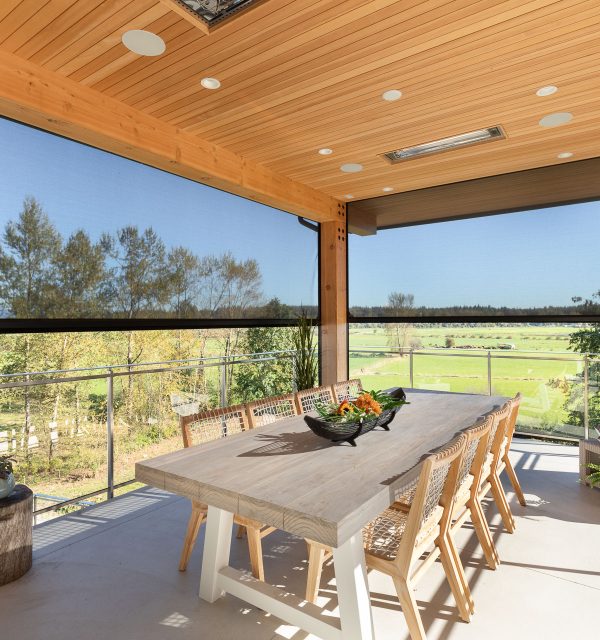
[
  {"x": 349, "y": 389},
  {"x": 307, "y": 399},
  {"x": 205, "y": 427},
  {"x": 396, "y": 541},
  {"x": 496, "y": 450},
  {"x": 466, "y": 501},
  {"x": 504, "y": 463},
  {"x": 268, "y": 410}
]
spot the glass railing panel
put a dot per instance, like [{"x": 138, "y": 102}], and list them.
[
  {"x": 380, "y": 370},
  {"x": 459, "y": 372}
]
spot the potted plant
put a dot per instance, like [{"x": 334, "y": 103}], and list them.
[
  {"x": 304, "y": 344},
  {"x": 7, "y": 479},
  {"x": 594, "y": 477}
]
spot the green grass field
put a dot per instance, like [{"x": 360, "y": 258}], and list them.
[{"x": 543, "y": 404}]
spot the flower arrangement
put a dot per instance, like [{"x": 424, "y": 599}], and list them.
[{"x": 369, "y": 405}]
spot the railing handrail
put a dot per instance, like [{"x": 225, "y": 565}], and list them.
[
  {"x": 111, "y": 368},
  {"x": 388, "y": 349},
  {"x": 451, "y": 352}
]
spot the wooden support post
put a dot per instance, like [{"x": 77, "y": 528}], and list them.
[{"x": 334, "y": 299}]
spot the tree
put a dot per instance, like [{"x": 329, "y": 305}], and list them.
[
  {"x": 80, "y": 272},
  {"x": 136, "y": 284},
  {"x": 184, "y": 281},
  {"x": 138, "y": 281},
  {"x": 586, "y": 341},
  {"x": 261, "y": 380},
  {"x": 228, "y": 287},
  {"x": 28, "y": 263},
  {"x": 399, "y": 333}
]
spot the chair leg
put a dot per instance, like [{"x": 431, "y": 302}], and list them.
[
  {"x": 316, "y": 558},
  {"x": 512, "y": 476},
  {"x": 455, "y": 575},
  {"x": 484, "y": 535},
  {"x": 410, "y": 609},
  {"x": 502, "y": 503},
  {"x": 255, "y": 549},
  {"x": 240, "y": 532},
  {"x": 196, "y": 518}
]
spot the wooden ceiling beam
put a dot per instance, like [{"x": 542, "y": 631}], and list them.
[{"x": 31, "y": 94}]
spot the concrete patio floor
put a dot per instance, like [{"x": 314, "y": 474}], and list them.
[{"x": 111, "y": 572}]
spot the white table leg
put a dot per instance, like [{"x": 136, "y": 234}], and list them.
[
  {"x": 217, "y": 544},
  {"x": 353, "y": 590}
]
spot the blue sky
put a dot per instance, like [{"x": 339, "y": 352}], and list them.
[
  {"x": 81, "y": 187},
  {"x": 532, "y": 258}
]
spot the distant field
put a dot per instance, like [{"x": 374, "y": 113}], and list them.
[
  {"x": 543, "y": 405},
  {"x": 528, "y": 338}
]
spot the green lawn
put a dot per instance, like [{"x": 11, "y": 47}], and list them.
[{"x": 543, "y": 403}]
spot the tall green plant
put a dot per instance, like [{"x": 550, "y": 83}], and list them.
[{"x": 304, "y": 343}]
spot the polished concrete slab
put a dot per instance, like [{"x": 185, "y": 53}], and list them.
[{"x": 111, "y": 572}]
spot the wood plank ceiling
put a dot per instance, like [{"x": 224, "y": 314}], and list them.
[{"x": 299, "y": 75}]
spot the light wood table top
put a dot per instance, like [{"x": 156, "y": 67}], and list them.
[{"x": 285, "y": 476}]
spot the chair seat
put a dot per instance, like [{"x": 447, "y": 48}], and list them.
[{"x": 382, "y": 536}]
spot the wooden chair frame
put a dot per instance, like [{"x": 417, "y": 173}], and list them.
[
  {"x": 466, "y": 502},
  {"x": 427, "y": 526},
  {"x": 275, "y": 407},
  {"x": 255, "y": 530},
  {"x": 504, "y": 463},
  {"x": 490, "y": 481},
  {"x": 347, "y": 389},
  {"x": 306, "y": 399}
]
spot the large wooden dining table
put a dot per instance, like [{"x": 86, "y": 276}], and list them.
[{"x": 285, "y": 476}]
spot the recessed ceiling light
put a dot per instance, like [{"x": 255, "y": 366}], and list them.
[
  {"x": 349, "y": 196},
  {"x": 391, "y": 95},
  {"x": 144, "y": 43},
  {"x": 556, "y": 119},
  {"x": 210, "y": 83},
  {"x": 546, "y": 91},
  {"x": 325, "y": 152},
  {"x": 565, "y": 154},
  {"x": 351, "y": 167},
  {"x": 388, "y": 189}
]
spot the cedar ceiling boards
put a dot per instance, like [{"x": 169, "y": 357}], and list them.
[{"x": 299, "y": 75}]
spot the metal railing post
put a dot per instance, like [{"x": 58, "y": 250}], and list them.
[
  {"x": 110, "y": 451},
  {"x": 489, "y": 372},
  {"x": 586, "y": 396},
  {"x": 411, "y": 368},
  {"x": 223, "y": 395}
]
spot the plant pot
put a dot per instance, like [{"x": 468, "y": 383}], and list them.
[{"x": 7, "y": 486}]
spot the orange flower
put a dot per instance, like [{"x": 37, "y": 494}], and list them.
[{"x": 368, "y": 404}]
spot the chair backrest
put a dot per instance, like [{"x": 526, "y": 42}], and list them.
[
  {"x": 433, "y": 500},
  {"x": 211, "y": 425},
  {"x": 307, "y": 399},
  {"x": 497, "y": 438},
  {"x": 475, "y": 451},
  {"x": 349, "y": 389},
  {"x": 268, "y": 410},
  {"x": 515, "y": 403}
]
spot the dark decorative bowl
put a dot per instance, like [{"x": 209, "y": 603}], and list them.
[{"x": 349, "y": 431}]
